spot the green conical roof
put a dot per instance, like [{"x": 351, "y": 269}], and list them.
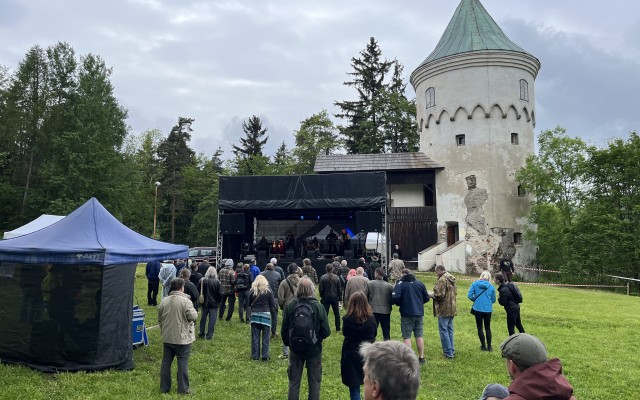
[{"x": 471, "y": 29}]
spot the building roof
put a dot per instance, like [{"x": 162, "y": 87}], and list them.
[
  {"x": 374, "y": 162},
  {"x": 471, "y": 29}
]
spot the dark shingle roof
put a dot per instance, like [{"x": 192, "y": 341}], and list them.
[{"x": 374, "y": 162}]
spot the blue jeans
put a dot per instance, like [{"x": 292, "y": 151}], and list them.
[
  {"x": 212, "y": 313},
  {"x": 314, "y": 375},
  {"x": 259, "y": 331},
  {"x": 445, "y": 328},
  {"x": 354, "y": 393}
]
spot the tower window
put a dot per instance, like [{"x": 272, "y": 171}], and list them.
[
  {"x": 524, "y": 90},
  {"x": 431, "y": 97},
  {"x": 521, "y": 191},
  {"x": 460, "y": 140},
  {"x": 517, "y": 238},
  {"x": 514, "y": 138}
]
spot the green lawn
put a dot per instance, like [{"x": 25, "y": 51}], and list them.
[{"x": 595, "y": 334}]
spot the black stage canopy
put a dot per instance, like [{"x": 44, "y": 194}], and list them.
[{"x": 346, "y": 190}]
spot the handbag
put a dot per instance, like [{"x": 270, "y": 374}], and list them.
[{"x": 201, "y": 297}]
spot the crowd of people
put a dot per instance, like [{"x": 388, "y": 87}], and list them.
[{"x": 387, "y": 369}]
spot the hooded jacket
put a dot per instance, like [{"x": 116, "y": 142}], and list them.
[
  {"x": 410, "y": 294},
  {"x": 506, "y": 298},
  {"x": 444, "y": 296},
  {"x": 541, "y": 382},
  {"x": 484, "y": 295}
]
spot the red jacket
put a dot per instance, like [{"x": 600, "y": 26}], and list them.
[{"x": 541, "y": 382}]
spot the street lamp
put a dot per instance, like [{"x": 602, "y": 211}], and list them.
[{"x": 155, "y": 210}]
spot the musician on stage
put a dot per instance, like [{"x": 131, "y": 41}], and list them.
[
  {"x": 331, "y": 238},
  {"x": 346, "y": 240}
]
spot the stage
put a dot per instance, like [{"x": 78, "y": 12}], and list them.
[{"x": 318, "y": 264}]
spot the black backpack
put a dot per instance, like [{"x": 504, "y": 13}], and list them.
[
  {"x": 302, "y": 334},
  {"x": 517, "y": 295},
  {"x": 242, "y": 281}
]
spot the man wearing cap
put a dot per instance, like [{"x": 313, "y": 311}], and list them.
[
  {"x": 533, "y": 375},
  {"x": 494, "y": 391},
  {"x": 227, "y": 277}
]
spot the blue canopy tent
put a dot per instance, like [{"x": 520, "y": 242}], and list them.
[{"x": 66, "y": 291}]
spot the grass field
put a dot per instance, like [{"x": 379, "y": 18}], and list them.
[{"x": 595, "y": 334}]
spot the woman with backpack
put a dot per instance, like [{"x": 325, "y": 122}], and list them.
[
  {"x": 262, "y": 301},
  {"x": 510, "y": 298},
  {"x": 358, "y": 326},
  {"x": 243, "y": 285},
  {"x": 483, "y": 296}
]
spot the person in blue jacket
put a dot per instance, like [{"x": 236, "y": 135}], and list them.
[
  {"x": 152, "y": 271},
  {"x": 411, "y": 295},
  {"x": 483, "y": 296},
  {"x": 254, "y": 270}
]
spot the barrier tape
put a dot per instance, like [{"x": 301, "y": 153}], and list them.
[
  {"x": 460, "y": 278},
  {"x": 542, "y": 270}
]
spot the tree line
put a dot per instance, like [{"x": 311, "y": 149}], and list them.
[
  {"x": 64, "y": 139},
  {"x": 586, "y": 213}
]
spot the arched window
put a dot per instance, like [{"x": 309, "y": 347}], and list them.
[
  {"x": 431, "y": 97},
  {"x": 524, "y": 90}
]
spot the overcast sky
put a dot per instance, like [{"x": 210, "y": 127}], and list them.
[{"x": 220, "y": 62}]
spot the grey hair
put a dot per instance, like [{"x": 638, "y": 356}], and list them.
[
  {"x": 440, "y": 268},
  {"x": 394, "y": 366},
  {"x": 306, "y": 288},
  {"x": 360, "y": 271},
  {"x": 211, "y": 272}
]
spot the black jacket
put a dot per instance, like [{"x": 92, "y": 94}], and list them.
[
  {"x": 330, "y": 287},
  {"x": 351, "y": 361},
  {"x": 191, "y": 291},
  {"x": 262, "y": 303},
  {"x": 211, "y": 290},
  {"x": 506, "y": 298}
]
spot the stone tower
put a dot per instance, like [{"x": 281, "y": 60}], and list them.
[{"x": 475, "y": 99}]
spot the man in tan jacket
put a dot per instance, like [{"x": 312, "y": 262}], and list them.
[
  {"x": 395, "y": 268},
  {"x": 176, "y": 317},
  {"x": 444, "y": 307}
]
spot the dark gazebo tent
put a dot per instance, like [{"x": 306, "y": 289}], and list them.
[{"x": 66, "y": 292}]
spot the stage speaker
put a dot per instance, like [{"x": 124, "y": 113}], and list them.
[
  {"x": 348, "y": 254},
  {"x": 232, "y": 224},
  {"x": 311, "y": 254},
  {"x": 262, "y": 254},
  {"x": 368, "y": 221},
  {"x": 289, "y": 253}
]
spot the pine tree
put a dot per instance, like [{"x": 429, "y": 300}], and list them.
[
  {"x": 249, "y": 157},
  {"x": 253, "y": 143},
  {"x": 364, "y": 132},
  {"x": 399, "y": 115},
  {"x": 175, "y": 155}
]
